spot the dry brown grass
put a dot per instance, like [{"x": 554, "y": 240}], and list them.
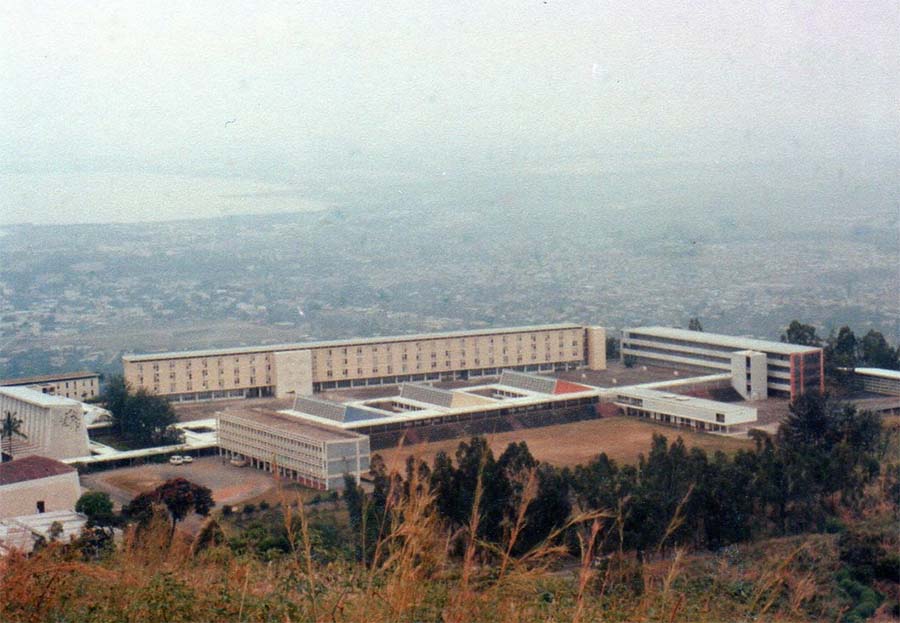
[
  {"x": 567, "y": 445},
  {"x": 414, "y": 575}
]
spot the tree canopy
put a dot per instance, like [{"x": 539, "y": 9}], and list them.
[
  {"x": 140, "y": 418},
  {"x": 98, "y": 507},
  {"x": 801, "y": 334},
  {"x": 824, "y": 455},
  {"x": 178, "y": 495}
]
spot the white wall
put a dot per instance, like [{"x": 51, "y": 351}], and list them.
[{"x": 59, "y": 493}]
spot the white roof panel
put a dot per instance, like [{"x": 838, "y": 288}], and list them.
[
  {"x": 729, "y": 341},
  {"x": 37, "y": 398},
  {"x": 340, "y": 343},
  {"x": 893, "y": 375}
]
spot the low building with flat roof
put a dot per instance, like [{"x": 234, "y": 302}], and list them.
[
  {"x": 24, "y": 532},
  {"x": 312, "y": 454},
  {"x": 52, "y": 426},
  {"x": 879, "y": 380},
  {"x": 759, "y": 367},
  {"x": 685, "y": 411},
  {"x": 419, "y": 411},
  {"x": 77, "y": 385}
]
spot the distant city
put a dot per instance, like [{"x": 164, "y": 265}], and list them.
[{"x": 79, "y": 297}]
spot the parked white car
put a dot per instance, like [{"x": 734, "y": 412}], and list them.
[
  {"x": 187, "y": 458},
  {"x": 176, "y": 459}
]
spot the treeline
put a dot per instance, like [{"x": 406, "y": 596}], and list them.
[
  {"x": 844, "y": 350},
  {"x": 817, "y": 466}
]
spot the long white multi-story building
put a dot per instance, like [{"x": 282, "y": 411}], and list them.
[
  {"x": 304, "y": 368},
  {"x": 758, "y": 367}
]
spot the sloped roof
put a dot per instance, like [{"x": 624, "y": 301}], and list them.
[{"x": 31, "y": 468}]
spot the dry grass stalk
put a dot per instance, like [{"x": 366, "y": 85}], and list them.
[{"x": 773, "y": 582}]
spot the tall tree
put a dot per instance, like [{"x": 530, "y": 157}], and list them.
[
  {"x": 801, "y": 334},
  {"x": 842, "y": 349},
  {"x": 612, "y": 347},
  {"x": 11, "y": 427},
  {"x": 115, "y": 398},
  {"x": 141, "y": 418},
  {"x": 178, "y": 495},
  {"x": 874, "y": 351},
  {"x": 826, "y": 447}
]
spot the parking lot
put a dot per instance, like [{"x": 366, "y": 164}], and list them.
[{"x": 229, "y": 484}]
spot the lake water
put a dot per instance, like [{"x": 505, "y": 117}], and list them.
[{"x": 63, "y": 198}]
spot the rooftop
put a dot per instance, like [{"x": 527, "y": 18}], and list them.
[
  {"x": 655, "y": 394},
  {"x": 37, "y": 398},
  {"x": 893, "y": 375},
  {"x": 341, "y": 343},
  {"x": 285, "y": 422},
  {"x": 730, "y": 341},
  {"x": 46, "y": 378},
  {"x": 31, "y": 468}
]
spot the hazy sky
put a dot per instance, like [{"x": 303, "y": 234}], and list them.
[{"x": 269, "y": 95}]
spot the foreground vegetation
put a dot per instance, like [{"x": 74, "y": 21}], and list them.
[{"x": 479, "y": 539}]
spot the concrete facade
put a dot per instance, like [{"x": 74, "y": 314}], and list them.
[
  {"x": 879, "y": 381},
  {"x": 748, "y": 374},
  {"x": 293, "y": 373},
  {"x": 791, "y": 370},
  {"x": 313, "y": 455},
  {"x": 53, "y": 426},
  {"x": 284, "y": 369},
  {"x": 684, "y": 411},
  {"x": 77, "y": 385},
  {"x": 36, "y": 485},
  {"x": 595, "y": 347}
]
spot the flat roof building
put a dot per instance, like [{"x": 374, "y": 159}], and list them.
[
  {"x": 52, "y": 426},
  {"x": 685, "y": 411},
  {"x": 759, "y": 367},
  {"x": 419, "y": 411},
  {"x": 314, "y": 455},
  {"x": 23, "y": 532},
  {"x": 77, "y": 385},
  {"x": 879, "y": 380},
  {"x": 305, "y": 368}
]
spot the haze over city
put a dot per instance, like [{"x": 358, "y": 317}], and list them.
[
  {"x": 122, "y": 112},
  {"x": 366, "y": 312}
]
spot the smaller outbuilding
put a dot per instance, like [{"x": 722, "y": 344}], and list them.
[{"x": 36, "y": 484}]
